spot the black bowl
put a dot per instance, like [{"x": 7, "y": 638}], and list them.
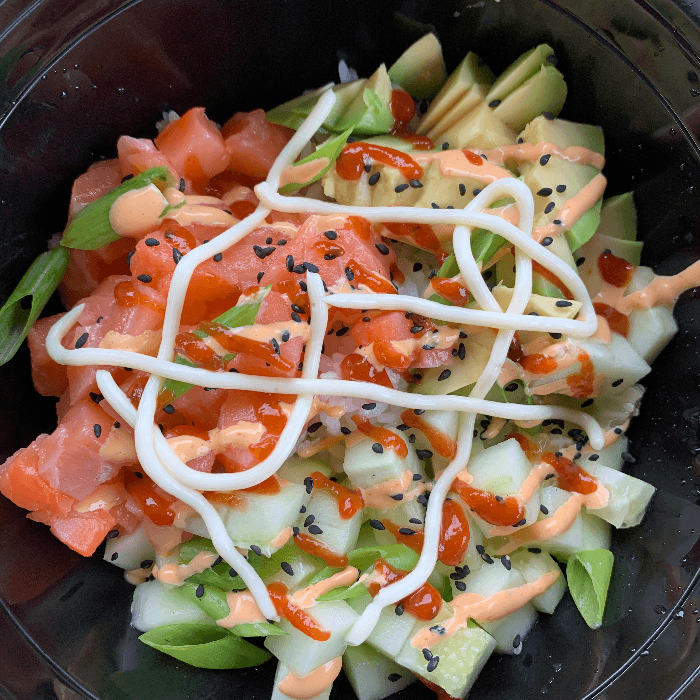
[{"x": 75, "y": 75}]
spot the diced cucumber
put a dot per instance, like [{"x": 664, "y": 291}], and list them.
[
  {"x": 366, "y": 468},
  {"x": 586, "y": 532},
  {"x": 260, "y": 521},
  {"x": 617, "y": 363},
  {"x": 533, "y": 566},
  {"x": 304, "y": 569},
  {"x": 494, "y": 579},
  {"x": 446, "y": 423},
  {"x": 629, "y": 497},
  {"x": 469, "y": 72},
  {"x": 392, "y": 630},
  {"x": 650, "y": 330},
  {"x": 280, "y": 674},
  {"x": 401, "y": 516},
  {"x": 543, "y": 92},
  {"x": 130, "y": 550},
  {"x": 471, "y": 561},
  {"x": 300, "y": 653},
  {"x": 296, "y": 469},
  {"x": 502, "y": 470},
  {"x": 460, "y": 657},
  {"x": 338, "y": 534},
  {"x": 420, "y": 70},
  {"x": 155, "y": 605},
  {"x": 372, "y": 675}
]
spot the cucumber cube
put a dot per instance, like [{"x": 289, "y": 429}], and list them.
[
  {"x": 338, "y": 534},
  {"x": 372, "y": 675},
  {"x": 156, "y": 604},
  {"x": 300, "y": 653},
  {"x": 303, "y": 570},
  {"x": 366, "y": 468},
  {"x": 460, "y": 657},
  {"x": 533, "y": 566},
  {"x": 629, "y": 497},
  {"x": 296, "y": 469},
  {"x": 130, "y": 550}
]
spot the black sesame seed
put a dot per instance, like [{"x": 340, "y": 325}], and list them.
[
  {"x": 545, "y": 192},
  {"x": 427, "y": 654},
  {"x": 401, "y": 188},
  {"x": 516, "y": 641},
  {"x": 415, "y": 521},
  {"x": 587, "y": 403},
  {"x": 302, "y": 509},
  {"x": 309, "y": 483},
  {"x": 220, "y": 256},
  {"x": 369, "y": 406},
  {"x": 593, "y": 458},
  {"x": 181, "y": 185},
  {"x": 128, "y": 258},
  {"x": 534, "y": 550},
  {"x": 287, "y": 568},
  {"x": 260, "y": 275},
  {"x": 368, "y": 166},
  {"x": 95, "y": 398},
  {"x": 345, "y": 431},
  {"x": 434, "y": 205},
  {"x": 480, "y": 549},
  {"x": 416, "y": 184},
  {"x": 384, "y": 250},
  {"x": 97, "y": 429},
  {"x": 144, "y": 278},
  {"x": 487, "y": 558},
  {"x": 445, "y": 374},
  {"x": 315, "y": 530},
  {"x": 289, "y": 262},
  {"x": 295, "y": 317},
  {"x": 545, "y": 159},
  {"x": 462, "y": 189},
  {"x": 397, "y": 497},
  {"x": 112, "y": 534},
  {"x": 433, "y": 664},
  {"x": 424, "y": 454},
  {"x": 494, "y": 103},
  {"x": 377, "y": 524},
  {"x": 627, "y": 457},
  {"x": 556, "y": 336},
  {"x": 150, "y": 242},
  {"x": 544, "y": 510},
  {"x": 460, "y": 586},
  {"x": 169, "y": 408},
  {"x": 138, "y": 475},
  {"x": 617, "y": 382},
  {"x": 520, "y": 523},
  {"x": 314, "y": 427},
  {"x": 285, "y": 336},
  {"x": 561, "y": 188},
  {"x": 82, "y": 340},
  {"x": 617, "y": 431},
  {"x": 562, "y": 303},
  {"x": 476, "y": 191},
  {"x": 376, "y": 447},
  {"x": 127, "y": 177},
  {"x": 407, "y": 531},
  {"x": 393, "y": 677},
  {"x": 310, "y": 267},
  {"x": 580, "y": 262},
  {"x": 232, "y": 573},
  {"x": 374, "y": 179},
  {"x": 547, "y": 241},
  {"x": 255, "y": 549},
  {"x": 114, "y": 556},
  {"x": 177, "y": 256},
  {"x": 309, "y": 520},
  {"x": 548, "y": 115},
  {"x": 217, "y": 561},
  {"x": 398, "y": 610},
  {"x": 549, "y": 208},
  {"x": 200, "y": 590},
  {"x": 505, "y": 560},
  {"x": 416, "y": 329}
]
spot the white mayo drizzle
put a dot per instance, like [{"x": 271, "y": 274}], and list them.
[{"x": 170, "y": 473}]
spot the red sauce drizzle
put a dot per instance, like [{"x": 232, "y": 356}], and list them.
[
  {"x": 615, "y": 271},
  {"x": 349, "y": 501},
  {"x": 414, "y": 541},
  {"x": 387, "y": 439},
  {"x": 396, "y": 274},
  {"x": 619, "y": 323},
  {"x": 242, "y": 208},
  {"x": 454, "y": 535},
  {"x": 154, "y": 502},
  {"x": 424, "y": 604},
  {"x": 269, "y": 487},
  {"x": 442, "y": 694},
  {"x": 351, "y": 162},
  {"x": 330, "y": 248},
  {"x": 535, "y": 363},
  {"x": 438, "y": 440},
  {"x": 309, "y": 544},
  {"x": 581, "y": 384},
  {"x": 451, "y": 290},
  {"x": 473, "y": 158},
  {"x": 422, "y": 235},
  {"x": 515, "y": 351},
  {"x": 198, "y": 351},
  {"x": 374, "y": 282},
  {"x": 417, "y": 141},
  {"x": 359, "y": 368},
  {"x": 228, "y": 499},
  {"x": 298, "y": 618},
  {"x": 506, "y": 511},
  {"x": 402, "y": 108},
  {"x": 551, "y": 277},
  {"x": 570, "y": 476}
]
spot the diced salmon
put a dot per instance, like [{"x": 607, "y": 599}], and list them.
[
  {"x": 70, "y": 460},
  {"x": 194, "y": 146},
  {"x": 100, "y": 178},
  {"x": 253, "y": 142},
  {"x": 137, "y": 155},
  {"x": 201, "y": 408},
  {"x": 50, "y": 378},
  {"x": 82, "y": 532},
  {"x": 21, "y": 482}
]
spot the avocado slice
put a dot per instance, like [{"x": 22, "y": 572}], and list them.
[
  {"x": 564, "y": 133},
  {"x": 519, "y": 71},
  {"x": 543, "y": 92},
  {"x": 470, "y": 100},
  {"x": 420, "y": 70},
  {"x": 294, "y": 112},
  {"x": 478, "y": 129},
  {"x": 471, "y": 71},
  {"x": 618, "y": 217},
  {"x": 370, "y": 111}
]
